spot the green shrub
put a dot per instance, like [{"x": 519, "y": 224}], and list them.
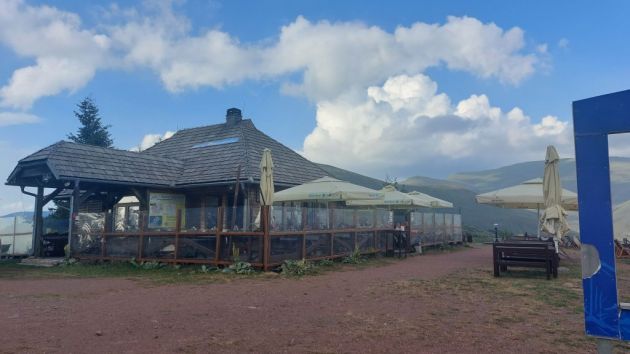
[
  {"x": 354, "y": 258},
  {"x": 326, "y": 263},
  {"x": 69, "y": 262},
  {"x": 240, "y": 268},
  {"x": 298, "y": 268},
  {"x": 146, "y": 265}
]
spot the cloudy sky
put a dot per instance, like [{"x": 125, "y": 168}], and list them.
[{"x": 411, "y": 88}]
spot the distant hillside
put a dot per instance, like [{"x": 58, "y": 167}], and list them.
[
  {"x": 352, "y": 177},
  {"x": 474, "y": 215},
  {"x": 621, "y": 221},
  {"x": 488, "y": 180},
  {"x": 421, "y": 181},
  {"x": 25, "y": 214},
  {"x": 484, "y": 181}
]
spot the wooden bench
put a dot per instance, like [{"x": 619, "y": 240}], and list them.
[{"x": 530, "y": 254}]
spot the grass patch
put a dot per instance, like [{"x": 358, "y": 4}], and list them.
[
  {"x": 158, "y": 274},
  {"x": 506, "y": 303}
]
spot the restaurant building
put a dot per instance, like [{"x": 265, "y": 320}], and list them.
[{"x": 192, "y": 198}]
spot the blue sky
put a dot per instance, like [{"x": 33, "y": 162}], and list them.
[{"x": 407, "y": 88}]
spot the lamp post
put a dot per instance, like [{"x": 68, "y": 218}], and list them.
[{"x": 496, "y": 232}]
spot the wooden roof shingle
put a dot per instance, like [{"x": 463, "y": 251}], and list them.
[{"x": 196, "y": 156}]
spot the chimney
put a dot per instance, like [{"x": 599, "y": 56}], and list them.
[{"x": 233, "y": 116}]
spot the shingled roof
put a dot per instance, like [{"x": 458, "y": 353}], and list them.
[
  {"x": 213, "y": 153},
  {"x": 197, "y": 156},
  {"x": 68, "y": 160}
]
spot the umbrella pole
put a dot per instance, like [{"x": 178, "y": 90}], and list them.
[{"x": 538, "y": 222}]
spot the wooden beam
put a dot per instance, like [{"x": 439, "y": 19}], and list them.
[
  {"x": 88, "y": 193},
  {"x": 52, "y": 195},
  {"x": 141, "y": 195}
]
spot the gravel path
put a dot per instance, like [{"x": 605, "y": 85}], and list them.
[{"x": 341, "y": 311}]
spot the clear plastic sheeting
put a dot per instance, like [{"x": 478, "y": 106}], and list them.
[
  {"x": 435, "y": 228},
  {"x": 317, "y": 218},
  {"x": 197, "y": 247},
  {"x": 241, "y": 248},
  {"x": 121, "y": 246},
  {"x": 220, "y": 236},
  {"x": 366, "y": 241},
  {"x": 203, "y": 219},
  {"x": 384, "y": 218},
  {"x": 318, "y": 245},
  {"x": 16, "y": 236},
  {"x": 158, "y": 247},
  {"x": 286, "y": 218},
  {"x": 343, "y": 243},
  {"x": 285, "y": 247}
]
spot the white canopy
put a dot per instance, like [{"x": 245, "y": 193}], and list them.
[
  {"x": 433, "y": 201},
  {"x": 392, "y": 198},
  {"x": 527, "y": 195},
  {"x": 326, "y": 189}
]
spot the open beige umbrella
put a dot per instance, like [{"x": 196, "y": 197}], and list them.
[
  {"x": 266, "y": 178},
  {"x": 527, "y": 195},
  {"x": 326, "y": 189},
  {"x": 432, "y": 201},
  {"x": 392, "y": 198},
  {"x": 553, "y": 219}
]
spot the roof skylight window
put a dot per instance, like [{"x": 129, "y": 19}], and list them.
[{"x": 223, "y": 141}]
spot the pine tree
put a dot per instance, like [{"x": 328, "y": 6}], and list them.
[{"x": 92, "y": 131}]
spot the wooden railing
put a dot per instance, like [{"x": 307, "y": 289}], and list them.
[{"x": 264, "y": 248}]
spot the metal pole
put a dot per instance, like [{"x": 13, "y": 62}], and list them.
[
  {"x": 14, "y": 231},
  {"x": 538, "y": 222},
  {"x": 496, "y": 233}
]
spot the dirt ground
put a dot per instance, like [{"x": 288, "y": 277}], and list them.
[{"x": 436, "y": 303}]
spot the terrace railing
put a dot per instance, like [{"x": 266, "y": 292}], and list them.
[{"x": 265, "y": 238}]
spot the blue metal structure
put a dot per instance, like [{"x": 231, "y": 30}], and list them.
[{"x": 593, "y": 120}]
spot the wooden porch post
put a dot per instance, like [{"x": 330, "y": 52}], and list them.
[
  {"x": 74, "y": 210},
  {"x": 38, "y": 223}
]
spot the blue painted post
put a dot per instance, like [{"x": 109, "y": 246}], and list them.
[{"x": 593, "y": 120}]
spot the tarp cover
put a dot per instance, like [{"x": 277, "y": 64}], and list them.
[
  {"x": 527, "y": 195},
  {"x": 393, "y": 199},
  {"x": 433, "y": 201},
  {"x": 326, "y": 189}
]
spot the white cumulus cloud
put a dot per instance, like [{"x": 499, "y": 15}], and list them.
[
  {"x": 15, "y": 118},
  {"x": 66, "y": 56},
  {"x": 376, "y": 135},
  {"x": 152, "y": 139},
  {"x": 328, "y": 58}
]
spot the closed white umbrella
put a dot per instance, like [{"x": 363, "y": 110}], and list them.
[
  {"x": 393, "y": 199},
  {"x": 553, "y": 220},
  {"x": 432, "y": 201},
  {"x": 266, "y": 178},
  {"x": 326, "y": 189},
  {"x": 266, "y": 183}
]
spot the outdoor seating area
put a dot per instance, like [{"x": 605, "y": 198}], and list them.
[{"x": 280, "y": 233}]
